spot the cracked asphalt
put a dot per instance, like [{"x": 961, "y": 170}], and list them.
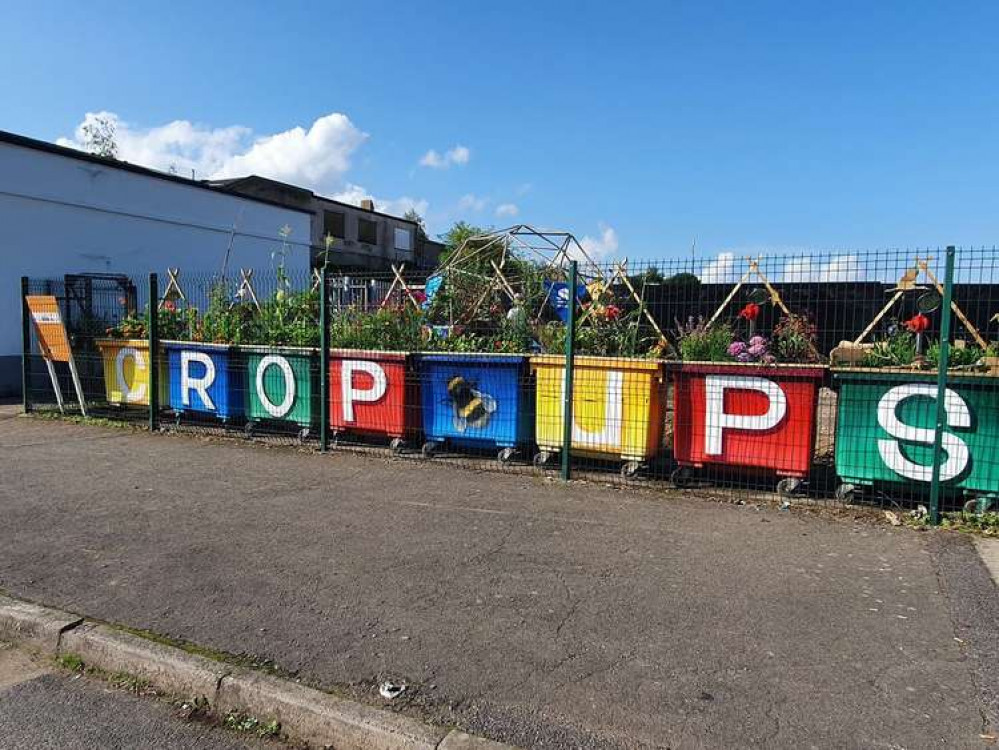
[
  {"x": 42, "y": 707},
  {"x": 530, "y": 612}
]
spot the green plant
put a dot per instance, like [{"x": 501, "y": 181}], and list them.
[
  {"x": 227, "y": 319},
  {"x": 897, "y": 349},
  {"x": 794, "y": 339},
  {"x": 964, "y": 356},
  {"x": 72, "y": 662},
  {"x": 386, "y": 329},
  {"x": 240, "y": 722},
  {"x": 700, "y": 342}
]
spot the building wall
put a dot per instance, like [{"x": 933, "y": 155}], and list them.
[
  {"x": 63, "y": 215},
  {"x": 349, "y": 251}
]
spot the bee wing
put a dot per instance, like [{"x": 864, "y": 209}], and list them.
[{"x": 488, "y": 402}]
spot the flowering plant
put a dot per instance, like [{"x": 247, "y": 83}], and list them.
[{"x": 757, "y": 350}]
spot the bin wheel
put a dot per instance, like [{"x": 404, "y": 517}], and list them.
[
  {"x": 541, "y": 458},
  {"x": 248, "y": 430},
  {"x": 846, "y": 493},
  {"x": 630, "y": 469},
  {"x": 397, "y": 445},
  {"x": 303, "y": 435},
  {"x": 429, "y": 449},
  {"x": 334, "y": 439},
  {"x": 682, "y": 477},
  {"x": 176, "y": 420},
  {"x": 788, "y": 486},
  {"x": 506, "y": 455}
]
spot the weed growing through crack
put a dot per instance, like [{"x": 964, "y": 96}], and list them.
[{"x": 241, "y": 722}]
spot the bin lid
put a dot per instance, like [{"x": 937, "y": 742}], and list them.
[
  {"x": 474, "y": 358},
  {"x": 775, "y": 370},
  {"x": 373, "y": 354},
  {"x": 603, "y": 363}
]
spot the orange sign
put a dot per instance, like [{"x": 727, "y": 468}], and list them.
[{"x": 48, "y": 324}]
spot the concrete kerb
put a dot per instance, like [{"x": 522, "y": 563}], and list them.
[
  {"x": 321, "y": 719},
  {"x": 40, "y": 628},
  {"x": 171, "y": 669},
  {"x": 305, "y": 714}
]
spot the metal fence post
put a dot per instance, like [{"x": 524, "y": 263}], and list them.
[
  {"x": 570, "y": 351},
  {"x": 324, "y": 362},
  {"x": 154, "y": 353},
  {"x": 25, "y": 346},
  {"x": 941, "y": 419}
]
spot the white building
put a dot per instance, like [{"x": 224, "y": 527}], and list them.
[{"x": 63, "y": 211}]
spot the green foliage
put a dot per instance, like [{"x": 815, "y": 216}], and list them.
[
  {"x": 794, "y": 339},
  {"x": 897, "y": 349},
  {"x": 454, "y": 237},
  {"x": 965, "y": 356},
  {"x": 385, "y": 330},
  {"x": 240, "y": 722},
  {"x": 700, "y": 342},
  {"x": 226, "y": 321},
  {"x": 175, "y": 323},
  {"x": 288, "y": 318}
]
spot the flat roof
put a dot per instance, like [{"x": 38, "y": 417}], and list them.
[
  {"x": 233, "y": 181},
  {"x": 71, "y": 153}
]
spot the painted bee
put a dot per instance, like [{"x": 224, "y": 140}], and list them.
[{"x": 472, "y": 408}]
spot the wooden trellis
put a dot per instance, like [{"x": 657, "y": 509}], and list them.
[{"x": 909, "y": 282}]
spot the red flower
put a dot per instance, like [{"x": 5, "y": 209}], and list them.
[
  {"x": 170, "y": 306},
  {"x": 917, "y": 323},
  {"x": 419, "y": 296},
  {"x": 613, "y": 312},
  {"x": 750, "y": 311}
]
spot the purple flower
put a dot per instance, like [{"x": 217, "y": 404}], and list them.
[
  {"x": 757, "y": 341},
  {"x": 743, "y": 357},
  {"x": 736, "y": 349},
  {"x": 757, "y": 350}
]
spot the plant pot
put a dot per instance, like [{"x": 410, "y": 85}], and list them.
[
  {"x": 616, "y": 406},
  {"x": 374, "y": 394},
  {"x": 282, "y": 385},
  {"x": 477, "y": 400},
  {"x": 206, "y": 379},
  {"x": 126, "y": 371},
  {"x": 885, "y": 425},
  {"x": 746, "y": 415}
]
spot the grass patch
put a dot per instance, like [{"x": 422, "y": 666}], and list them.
[
  {"x": 240, "y": 722},
  {"x": 72, "y": 662}
]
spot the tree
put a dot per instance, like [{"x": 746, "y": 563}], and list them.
[
  {"x": 99, "y": 136},
  {"x": 421, "y": 225},
  {"x": 456, "y": 236}
]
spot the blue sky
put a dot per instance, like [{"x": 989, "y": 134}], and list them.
[{"x": 784, "y": 126}]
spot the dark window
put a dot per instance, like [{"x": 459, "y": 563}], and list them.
[
  {"x": 333, "y": 224},
  {"x": 367, "y": 231}
]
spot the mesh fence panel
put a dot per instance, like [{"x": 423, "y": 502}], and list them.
[{"x": 806, "y": 375}]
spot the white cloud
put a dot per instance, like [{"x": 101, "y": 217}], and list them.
[
  {"x": 354, "y": 194},
  {"x": 509, "y": 210},
  {"x": 472, "y": 202},
  {"x": 600, "y": 248},
  {"x": 843, "y": 268},
  {"x": 839, "y": 268},
  {"x": 458, "y": 155},
  {"x": 721, "y": 270},
  {"x": 317, "y": 157}
]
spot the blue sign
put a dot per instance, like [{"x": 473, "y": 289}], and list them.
[{"x": 558, "y": 296}]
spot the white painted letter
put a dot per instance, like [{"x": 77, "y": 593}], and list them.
[
  {"x": 127, "y": 393},
  {"x": 613, "y": 397},
  {"x": 716, "y": 421},
  {"x": 958, "y": 415},
  {"x": 351, "y": 394},
  {"x": 202, "y": 384},
  {"x": 276, "y": 410}
]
